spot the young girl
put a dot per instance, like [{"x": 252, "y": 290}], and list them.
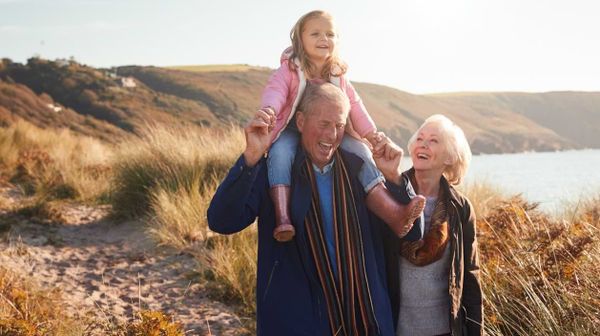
[{"x": 313, "y": 56}]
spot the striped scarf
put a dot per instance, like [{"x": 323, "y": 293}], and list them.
[{"x": 347, "y": 295}]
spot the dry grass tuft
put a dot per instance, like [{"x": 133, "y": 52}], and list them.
[
  {"x": 152, "y": 323},
  {"x": 26, "y": 309},
  {"x": 179, "y": 216},
  {"x": 540, "y": 274},
  {"x": 55, "y": 164},
  {"x": 484, "y": 196},
  {"x": 29, "y": 310},
  {"x": 170, "y": 158},
  {"x": 231, "y": 261}
]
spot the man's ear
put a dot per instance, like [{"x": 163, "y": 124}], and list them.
[{"x": 300, "y": 118}]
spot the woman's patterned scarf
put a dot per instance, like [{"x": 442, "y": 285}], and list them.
[
  {"x": 432, "y": 246},
  {"x": 347, "y": 290}
]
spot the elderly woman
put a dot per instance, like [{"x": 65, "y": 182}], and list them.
[{"x": 434, "y": 282}]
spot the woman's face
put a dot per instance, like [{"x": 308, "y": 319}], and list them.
[{"x": 429, "y": 150}]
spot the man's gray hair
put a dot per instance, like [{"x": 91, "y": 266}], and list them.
[{"x": 316, "y": 93}]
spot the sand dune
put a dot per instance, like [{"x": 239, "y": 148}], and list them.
[{"x": 110, "y": 270}]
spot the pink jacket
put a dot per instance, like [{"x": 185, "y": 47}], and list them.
[{"x": 285, "y": 87}]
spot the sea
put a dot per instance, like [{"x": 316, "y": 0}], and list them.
[{"x": 552, "y": 179}]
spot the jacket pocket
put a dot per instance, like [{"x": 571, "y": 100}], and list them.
[
  {"x": 463, "y": 321},
  {"x": 271, "y": 274}
]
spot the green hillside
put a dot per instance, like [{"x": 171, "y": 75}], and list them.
[
  {"x": 572, "y": 115},
  {"x": 121, "y": 100},
  {"x": 103, "y": 94}
]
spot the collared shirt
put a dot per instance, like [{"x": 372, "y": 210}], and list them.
[
  {"x": 324, "y": 179},
  {"x": 325, "y": 169}
]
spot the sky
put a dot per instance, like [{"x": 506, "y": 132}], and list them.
[{"x": 419, "y": 46}]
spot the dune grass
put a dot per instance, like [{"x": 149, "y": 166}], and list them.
[
  {"x": 484, "y": 196},
  {"x": 170, "y": 175},
  {"x": 540, "y": 273},
  {"x": 170, "y": 158},
  {"x": 55, "y": 164}
]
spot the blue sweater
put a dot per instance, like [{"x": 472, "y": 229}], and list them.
[
  {"x": 289, "y": 297},
  {"x": 324, "y": 180}
]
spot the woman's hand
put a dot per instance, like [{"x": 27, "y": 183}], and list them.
[
  {"x": 387, "y": 156},
  {"x": 258, "y": 135}
]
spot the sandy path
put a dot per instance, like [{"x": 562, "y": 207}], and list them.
[{"x": 109, "y": 270}]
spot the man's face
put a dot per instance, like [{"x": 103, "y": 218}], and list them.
[{"x": 322, "y": 131}]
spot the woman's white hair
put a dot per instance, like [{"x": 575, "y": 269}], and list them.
[{"x": 456, "y": 145}]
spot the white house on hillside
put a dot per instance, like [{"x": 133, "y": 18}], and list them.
[
  {"x": 54, "y": 108},
  {"x": 128, "y": 82}
]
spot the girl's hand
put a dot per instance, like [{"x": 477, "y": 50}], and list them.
[
  {"x": 271, "y": 113},
  {"x": 387, "y": 156},
  {"x": 374, "y": 138},
  {"x": 378, "y": 141}
]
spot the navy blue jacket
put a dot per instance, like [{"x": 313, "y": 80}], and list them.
[{"x": 289, "y": 297}]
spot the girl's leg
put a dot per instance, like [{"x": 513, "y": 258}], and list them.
[
  {"x": 369, "y": 176},
  {"x": 399, "y": 214},
  {"x": 279, "y": 166}
]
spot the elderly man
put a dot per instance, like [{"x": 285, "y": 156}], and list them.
[{"x": 330, "y": 279}]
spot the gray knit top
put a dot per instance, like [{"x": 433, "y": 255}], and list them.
[{"x": 424, "y": 296}]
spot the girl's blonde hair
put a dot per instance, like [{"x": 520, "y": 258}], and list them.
[
  {"x": 334, "y": 66},
  {"x": 455, "y": 144}
]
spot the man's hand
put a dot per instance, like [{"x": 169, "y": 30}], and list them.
[
  {"x": 387, "y": 156},
  {"x": 258, "y": 137}
]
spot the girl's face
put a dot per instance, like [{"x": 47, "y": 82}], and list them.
[
  {"x": 429, "y": 151},
  {"x": 319, "y": 39}
]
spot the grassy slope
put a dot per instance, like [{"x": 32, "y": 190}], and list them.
[
  {"x": 218, "y": 95},
  {"x": 234, "y": 95},
  {"x": 572, "y": 115},
  {"x": 92, "y": 92},
  {"x": 490, "y": 129},
  {"x": 17, "y": 101}
]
